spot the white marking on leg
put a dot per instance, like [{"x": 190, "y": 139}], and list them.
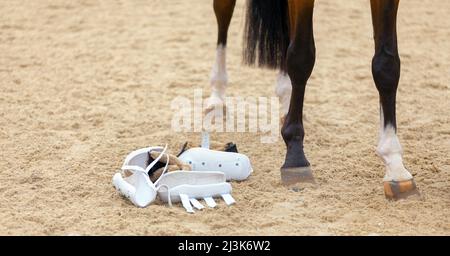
[
  {"x": 219, "y": 78},
  {"x": 390, "y": 151},
  {"x": 283, "y": 90}
]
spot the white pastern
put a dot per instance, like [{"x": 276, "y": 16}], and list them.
[
  {"x": 283, "y": 90},
  {"x": 390, "y": 151},
  {"x": 219, "y": 79}
]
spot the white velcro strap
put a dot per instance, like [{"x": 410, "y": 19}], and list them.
[
  {"x": 196, "y": 203},
  {"x": 186, "y": 204},
  {"x": 150, "y": 166},
  {"x": 210, "y": 202},
  {"x": 229, "y": 200},
  {"x": 133, "y": 168}
]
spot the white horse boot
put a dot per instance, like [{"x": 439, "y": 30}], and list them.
[
  {"x": 134, "y": 182},
  {"x": 189, "y": 186},
  {"x": 235, "y": 166},
  {"x": 186, "y": 186}
]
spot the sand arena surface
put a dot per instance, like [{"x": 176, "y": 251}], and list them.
[{"x": 83, "y": 83}]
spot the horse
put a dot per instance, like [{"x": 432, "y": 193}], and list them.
[{"x": 279, "y": 35}]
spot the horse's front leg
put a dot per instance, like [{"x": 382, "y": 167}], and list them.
[
  {"x": 223, "y": 10},
  {"x": 300, "y": 63},
  {"x": 398, "y": 182}
]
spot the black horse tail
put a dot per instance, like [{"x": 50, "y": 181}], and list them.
[{"x": 266, "y": 36}]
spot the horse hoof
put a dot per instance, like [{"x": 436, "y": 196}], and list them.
[
  {"x": 291, "y": 176},
  {"x": 395, "y": 190}
]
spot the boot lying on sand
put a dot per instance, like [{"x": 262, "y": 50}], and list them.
[
  {"x": 134, "y": 182},
  {"x": 235, "y": 166},
  {"x": 187, "y": 187},
  {"x": 180, "y": 185},
  {"x": 223, "y": 158}
]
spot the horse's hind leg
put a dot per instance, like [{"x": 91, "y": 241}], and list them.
[
  {"x": 300, "y": 63},
  {"x": 219, "y": 78},
  {"x": 398, "y": 182}
]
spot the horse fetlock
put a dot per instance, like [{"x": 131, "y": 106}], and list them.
[
  {"x": 390, "y": 151},
  {"x": 292, "y": 132},
  {"x": 389, "y": 147},
  {"x": 214, "y": 101}
]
